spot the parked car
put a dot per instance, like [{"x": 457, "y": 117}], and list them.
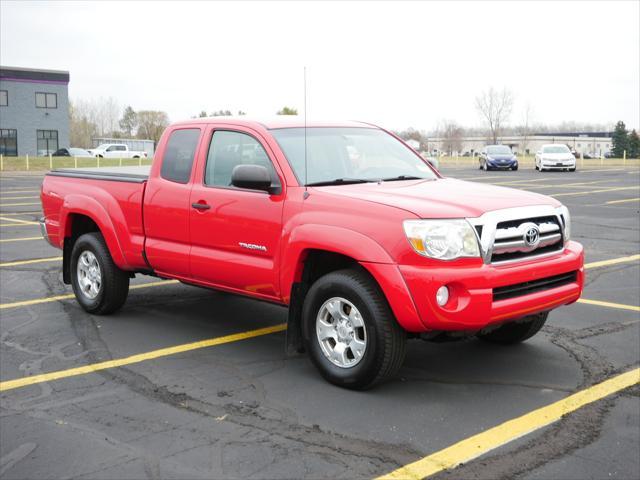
[
  {"x": 555, "y": 156},
  {"x": 72, "y": 152},
  {"x": 497, "y": 157},
  {"x": 116, "y": 150},
  {"x": 363, "y": 241}
]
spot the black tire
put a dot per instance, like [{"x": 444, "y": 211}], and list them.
[
  {"x": 385, "y": 339},
  {"x": 114, "y": 285},
  {"x": 514, "y": 168},
  {"x": 572, "y": 169},
  {"x": 516, "y": 332}
]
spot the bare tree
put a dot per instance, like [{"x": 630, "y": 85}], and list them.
[
  {"x": 451, "y": 134},
  {"x": 111, "y": 111},
  {"x": 495, "y": 108},
  {"x": 524, "y": 130},
  {"x": 151, "y": 124},
  {"x": 82, "y": 126}
]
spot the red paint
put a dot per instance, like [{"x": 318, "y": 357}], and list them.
[{"x": 362, "y": 221}]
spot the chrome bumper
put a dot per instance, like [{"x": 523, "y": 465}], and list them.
[{"x": 43, "y": 231}]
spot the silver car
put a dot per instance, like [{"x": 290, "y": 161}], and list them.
[{"x": 555, "y": 156}]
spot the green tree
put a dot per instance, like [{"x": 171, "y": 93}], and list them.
[
  {"x": 151, "y": 124},
  {"x": 287, "y": 111},
  {"x": 634, "y": 145},
  {"x": 129, "y": 121},
  {"x": 619, "y": 140}
]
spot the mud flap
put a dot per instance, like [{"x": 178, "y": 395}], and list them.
[{"x": 294, "y": 343}]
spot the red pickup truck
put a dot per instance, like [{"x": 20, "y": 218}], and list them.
[{"x": 342, "y": 222}]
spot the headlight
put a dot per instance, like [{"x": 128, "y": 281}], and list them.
[
  {"x": 566, "y": 220},
  {"x": 442, "y": 239}
]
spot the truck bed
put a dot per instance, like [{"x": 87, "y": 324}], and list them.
[{"x": 116, "y": 174}]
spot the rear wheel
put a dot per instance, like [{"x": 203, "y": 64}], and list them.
[
  {"x": 516, "y": 332},
  {"x": 99, "y": 285},
  {"x": 350, "y": 332}
]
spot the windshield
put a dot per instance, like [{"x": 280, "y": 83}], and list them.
[
  {"x": 499, "y": 150},
  {"x": 555, "y": 149},
  {"x": 103, "y": 146},
  {"x": 349, "y": 153}
]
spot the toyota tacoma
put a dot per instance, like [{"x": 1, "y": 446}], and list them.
[{"x": 346, "y": 225}]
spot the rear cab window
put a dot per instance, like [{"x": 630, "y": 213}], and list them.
[{"x": 179, "y": 154}]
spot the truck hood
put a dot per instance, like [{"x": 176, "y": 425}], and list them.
[{"x": 441, "y": 198}]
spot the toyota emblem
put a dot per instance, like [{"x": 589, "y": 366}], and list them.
[{"x": 532, "y": 237}]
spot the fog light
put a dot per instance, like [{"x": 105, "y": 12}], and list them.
[{"x": 442, "y": 295}]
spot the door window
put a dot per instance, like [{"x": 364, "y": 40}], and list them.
[
  {"x": 229, "y": 149},
  {"x": 179, "y": 154}
]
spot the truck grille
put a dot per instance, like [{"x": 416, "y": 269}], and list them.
[
  {"x": 539, "y": 285},
  {"x": 523, "y": 238}
]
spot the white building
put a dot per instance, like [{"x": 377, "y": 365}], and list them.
[{"x": 591, "y": 143}]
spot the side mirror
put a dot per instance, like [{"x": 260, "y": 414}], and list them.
[{"x": 254, "y": 177}]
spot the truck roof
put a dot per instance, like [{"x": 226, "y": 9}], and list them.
[{"x": 281, "y": 121}]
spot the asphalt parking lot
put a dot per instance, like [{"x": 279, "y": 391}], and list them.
[{"x": 239, "y": 408}]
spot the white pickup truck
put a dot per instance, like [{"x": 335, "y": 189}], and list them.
[{"x": 116, "y": 150}]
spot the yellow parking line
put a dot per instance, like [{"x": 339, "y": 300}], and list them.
[
  {"x": 478, "y": 177},
  {"x": 15, "y": 214},
  {"x": 586, "y": 192},
  {"x": 17, "y": 198},
  {"x": 12, "y": 192},
  {"x": 17, "y": 220},
  {"x": 67, "y": 296},
  {"x": 623, "y": 201},
  {"x": 25, "y": 239},
  {"x": 525, "y": 182},
  {"x": 17, "y": 224},
  {"x": 141, "y": 357},
  {"x": 601, "y": 170},
  {"x": 495, "y": 437},
  {"x": 619, "y": 306},
  {"x": 28, "y": 262},
  {"x": 17, "y": 204},
  {"x": 613, "y": 261}
]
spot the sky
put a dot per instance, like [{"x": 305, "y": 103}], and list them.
[{"x": 397, "y": 64}]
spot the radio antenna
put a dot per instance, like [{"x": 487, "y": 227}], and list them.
[{"x": 306, "y": 170}]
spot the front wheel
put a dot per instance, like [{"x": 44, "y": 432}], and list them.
[
  {"x": 516, "y": 332},
  {"x": 350, "y": 332},
  {"x": 99, "y": 285}
]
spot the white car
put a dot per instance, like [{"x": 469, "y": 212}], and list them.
[
  {"x": 555, "y": 157},
  {"x": 116, "y": 150}
]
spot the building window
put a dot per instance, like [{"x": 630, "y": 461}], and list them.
[
  {"x": 4, "y": 98},
  {"x": 46, "y": 100},
  {"x": 9, "y": 142},
  {"x": 47, "y": 141}
]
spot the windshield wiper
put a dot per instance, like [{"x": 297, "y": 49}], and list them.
[
  {"x": 341, "y": 181},
  {"x": 403, "y": 177}
]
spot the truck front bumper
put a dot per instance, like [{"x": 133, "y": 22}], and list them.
[{"x": 481, "y": 295}]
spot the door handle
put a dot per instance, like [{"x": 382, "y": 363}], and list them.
[{"x": 201, "y": 206}]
